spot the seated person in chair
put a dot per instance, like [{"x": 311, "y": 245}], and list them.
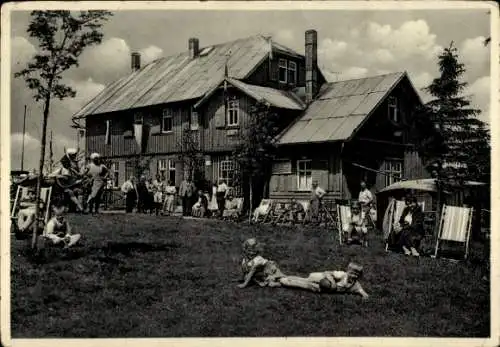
[
  {"x": 58, "y": 230},
  {"x": 296, "y": 209},
  {"x": 231, "y": 206},
  {"x": 26, "y": 214},
  {"x": 200, "y": 208},
  {"x": 355, "y": 223},
  {"x": 412, "y": 227}
]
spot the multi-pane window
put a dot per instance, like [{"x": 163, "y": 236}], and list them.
[
  {"x": 166, "y": 168},
  {"x": 304, "y": 175},
  {"x": 392, "y": 103},
  {"x": 226, "y": 171},
  {"x": 283, "y": 69},
  {"x": 393, "y": 170},
  {"x": 233, "y": 107},
  {"x": 292, "y": 72},
  {"x": 194, "y": 123},
  {"x": 171, "y": 171},
  {"x": 166, "y": 121},
  {"x": 114, "y": 175}
]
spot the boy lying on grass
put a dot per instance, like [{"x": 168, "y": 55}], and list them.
[
  {"x": 340, "y": 281},
  {"x": 267, "y": 273},
  {"x": 58, "y": 230}
]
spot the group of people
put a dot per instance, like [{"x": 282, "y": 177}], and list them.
[
  {"x": 160, "y": 196},
  {"x": 153, "y": 196}
]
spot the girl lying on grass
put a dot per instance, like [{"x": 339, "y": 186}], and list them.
[{"x": 267, "y": 273}]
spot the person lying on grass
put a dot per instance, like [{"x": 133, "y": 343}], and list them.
[
  {"x": 266, "y": 273},
  {"x": 340, "y": 281},
  {"x": 58, "y": 230}
]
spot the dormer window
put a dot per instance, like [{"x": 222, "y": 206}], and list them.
[
  {"x": 392, "y": 103},
  {"x": 167, "y": 121},
  {"x": 194, "y": 121},
  {"x": 282, "y": 66},
  {"x": 233, "y": 109}
]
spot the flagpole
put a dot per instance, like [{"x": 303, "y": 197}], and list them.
[{"x": 24, "y": 132}]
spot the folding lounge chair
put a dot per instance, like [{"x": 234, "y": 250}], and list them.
[
  {"x": 455, "y": 226},
  {"x": 343, "y": 214},
  {"x": 305, "y": 204},
  {"x": 262, "y": 210},
  {"x": 396, "y": 210},
  {"x": 21, "y": 194},
  {"x": 234, "y": 214}
]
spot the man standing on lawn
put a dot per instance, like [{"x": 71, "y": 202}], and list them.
[
  {"x": 130, "y": 190},
  {"x": 186, "y": 192},
  {"x": 317, "y": 194},
  {"x": 221, "y": 195}
]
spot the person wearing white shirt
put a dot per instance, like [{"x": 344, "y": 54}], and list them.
[
  {"x": 130, "y": 191},
  {"x": 365, "y": 196},
  {"x": 317, "y": 194},
  {"x": 222, "y": 190}
]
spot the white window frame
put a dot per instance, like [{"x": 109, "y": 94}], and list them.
[
  {"x": 194, "y": 123},
  {"x": 294, "y": 69},
  {"x": 228, "y": 168},
  {"x": 171, "y": 168},
  {"x": 233, "y": 113},
  {"x": 390, "y": 170},
  {"x": 392, "y": 108},
  {"x": 282, "y": 64},
  {"x": 304, "y": 175},
  {"x": 162, "y": 165},
  {"x": 167, "y": 114},
  {"x": 115, "y": 174}
]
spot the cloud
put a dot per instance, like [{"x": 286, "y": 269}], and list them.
[
  {"x": 331, "y": 49},
  {"x": 476, "y": 56},
  {"x": 288, "y": 38},
  {"x": 480, "y": 96},
  {"x": 22, "y": 51},
  {"x": 411, "y": 38},
  {"x": 421, "y": 80},
  {"x": 85, "y": 91},
  {"x": 353, "y": 72},
  {"x": 150, "y": 54},
  {"x": 32, "y": 149}
]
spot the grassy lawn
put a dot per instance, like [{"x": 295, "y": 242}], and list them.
[{"x": 147, "y": 276}]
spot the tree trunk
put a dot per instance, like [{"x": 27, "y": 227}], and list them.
[
  {"x": 40, "y": 169},
  {"x": 250, "y": 202}
]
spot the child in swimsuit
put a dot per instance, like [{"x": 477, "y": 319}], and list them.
[
  {"x": 340, "y": 281},
  {"x": 266, "y": 273}
]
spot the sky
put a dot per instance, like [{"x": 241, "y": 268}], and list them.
[{"x": 351, "y": 44}]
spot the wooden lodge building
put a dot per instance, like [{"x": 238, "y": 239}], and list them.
[{"x": 331, "y": 132}]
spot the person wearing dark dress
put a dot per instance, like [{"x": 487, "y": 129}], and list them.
[{"x": 412, "y": 223}]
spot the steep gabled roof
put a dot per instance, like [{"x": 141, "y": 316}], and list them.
[
  {"x": 275, "y": 97},
  {"x": 339, "y": 110},
  {"x": 179, "y": 78}
]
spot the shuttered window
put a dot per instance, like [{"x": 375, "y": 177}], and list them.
[{"x": 292, "y": 72}]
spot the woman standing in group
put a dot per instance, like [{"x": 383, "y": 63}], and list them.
[{"x": 99, "y": 174}]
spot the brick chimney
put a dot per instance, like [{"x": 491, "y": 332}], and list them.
[
  {"x": 136, "y": 61},
  {"x": 311, "y": 45},
  {"x": 194, "y": 48}
]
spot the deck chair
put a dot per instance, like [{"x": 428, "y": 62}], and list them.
[
  {"x": 455, "y": 226},
  {"x": 262, "y": 210},
  {"x": 234, "y": 214},
  {"x": 21, "y": 194},
  {"x": 396, "y": 209},
  {"x": 343, "y": 214}
]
